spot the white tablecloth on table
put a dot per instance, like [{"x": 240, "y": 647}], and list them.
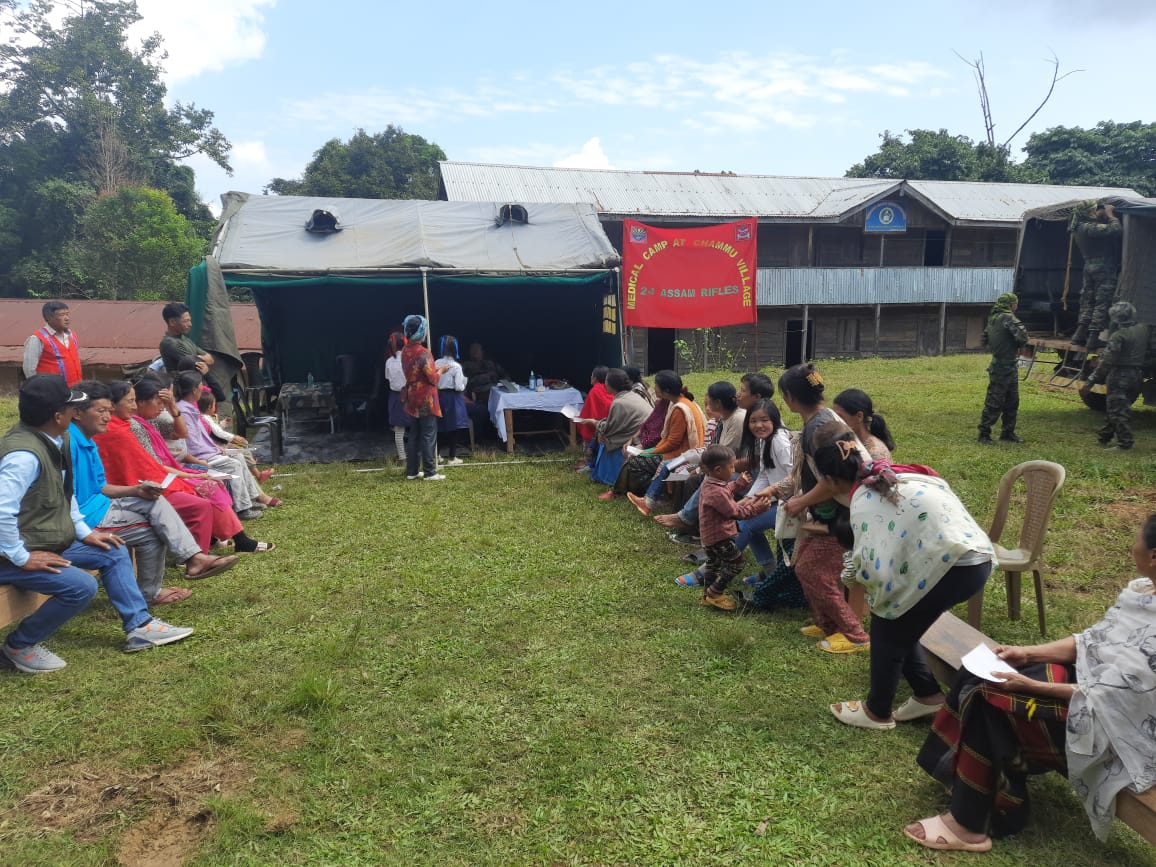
[{"x": 550, "y": 400}]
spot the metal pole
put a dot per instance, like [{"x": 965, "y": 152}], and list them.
[
  {"x": 425, "y": 298},
  {"x": 806, "y": 315},
  {"x": 878, "y": 313},
  {"x": 943, "y": 328}
]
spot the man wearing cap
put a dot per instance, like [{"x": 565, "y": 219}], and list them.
[
  {"x": 1097, "y": 232},
  {"x": 55, "y": 347},
  {"x": 1004, "y": 335},
  {"x": 44, "y": 542},
  {"x": 138, "y": 514},
  {"x": 1122, "y": 369}
]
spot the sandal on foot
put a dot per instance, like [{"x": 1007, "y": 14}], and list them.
[
  {"x": 169, "y": 595},
  {"x": 261, "y": 548},
  {"x": 914, "y": 709},
  {"x": 607, "y": 495},
  {"x": 936, "y": 835},
  {"x": 274, "y": 503},
  {"x": 813, "y": 631},
  {"x": 722, "y": 602},
  {"x": 215, "y": 567},
  {"x": 265, "y": 475},
  {"x": 752, "y": 580},
  {"x": 695, "y": 557},
  {"x": 839, "y": 643},
  {"x": 853, "y": 713},
  {"x": 688, "y": 580}
]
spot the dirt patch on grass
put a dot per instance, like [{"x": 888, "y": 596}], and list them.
[
  {"x": 1133, "y": 511},
  {"x": 83, "y": 800}
]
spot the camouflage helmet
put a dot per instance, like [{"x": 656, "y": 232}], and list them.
[{"x": 1122, "y": 312}]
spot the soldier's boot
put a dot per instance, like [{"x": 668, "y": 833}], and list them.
[
  {"x": 1095, "y": 343},
  {"x": 1080, "y": 337},
  {"x": 985, "y": 438},
  {"x": 1010, "y": 437}
]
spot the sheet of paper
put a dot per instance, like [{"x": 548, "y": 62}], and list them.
[
  {"x": 633, "y": 450},
  {"x": 675, "y": 463},
  {"x": 571, "y": 411},
  {"x": 219, "y": 476},
  {"x": 679, "y": 476},
  {"x": 168, "y": 480},
  {"x": 982, "y": 662}
]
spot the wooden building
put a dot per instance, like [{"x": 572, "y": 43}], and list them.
[{"x": 848, "y": 267}]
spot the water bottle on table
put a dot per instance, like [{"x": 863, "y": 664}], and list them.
[{"x": 533, "y": 381}]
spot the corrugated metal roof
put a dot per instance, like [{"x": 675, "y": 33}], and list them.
[
  {"x": 669, "y": 194},
  {"x": 618, "y": 193},
  {"x": 786, "y": 287},
  {"x": 965, "y": 202},
  {"x": 110, "y": 332}
]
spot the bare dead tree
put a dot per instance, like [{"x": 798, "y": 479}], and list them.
[
  {"x": 985, "y": 101},
  {"x": 107, "y": 160}
]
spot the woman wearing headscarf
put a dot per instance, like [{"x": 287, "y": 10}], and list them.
[
  {"x": 1004, "y": 335},
  {"x": 420, "y": 400},
  {"x": 1084, "y": 705}
]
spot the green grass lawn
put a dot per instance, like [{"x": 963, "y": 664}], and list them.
[{"x": 499, "y": 669}]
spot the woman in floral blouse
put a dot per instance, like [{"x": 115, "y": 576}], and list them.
[{"x": 420, "y": 400}]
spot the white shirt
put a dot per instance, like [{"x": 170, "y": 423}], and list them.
[
  {"x": 394, "y": 373},
  {"x": 33, "y": 349},
  {"x": 18, "y": 472},
  {"x": 781, "y": 452},
  {"x": 453, "y": 378}
]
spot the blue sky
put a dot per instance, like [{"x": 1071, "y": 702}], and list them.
[{"x": 754, "y": 88}]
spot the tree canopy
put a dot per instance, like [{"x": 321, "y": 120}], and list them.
[
  {"x": 938, "y": 155},
  {"x": 1110, "y": 154},
  {"x": 83, "y": 117},
  {"x": 392, "y": 164}
]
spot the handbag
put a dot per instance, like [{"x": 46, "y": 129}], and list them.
[{"x": 786, "y": 527}]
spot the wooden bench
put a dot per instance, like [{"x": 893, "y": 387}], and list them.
[
  {"x": 949, "y": 638},
  {"x": 16, "y": 604}
]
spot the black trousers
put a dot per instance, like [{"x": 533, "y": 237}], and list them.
[{"x": 895, "y": 649}]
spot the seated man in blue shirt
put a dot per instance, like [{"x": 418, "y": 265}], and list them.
[
  {"x": 44, "y": 542},
  {"x": 138, "y": 514}
]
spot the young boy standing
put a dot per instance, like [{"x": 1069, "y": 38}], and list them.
[{"x": 718, "y": 516}]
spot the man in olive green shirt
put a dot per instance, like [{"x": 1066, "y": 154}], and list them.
[
  {"x": 177, "y": 345},
  {"x": 1004, "y": 335}
]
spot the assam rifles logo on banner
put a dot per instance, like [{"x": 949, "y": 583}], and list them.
[{"x": 700, "y": 277}]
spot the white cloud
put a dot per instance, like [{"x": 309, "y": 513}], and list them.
[
  {"x": 591, "y": 156},
  {"x": 205, "y": 36}
]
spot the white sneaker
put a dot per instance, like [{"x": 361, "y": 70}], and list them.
[
  {"x": 412, "y": 478},
  {"x": 454, "y": 462},
  {"x": 36, "y": 659},
  {"x": 436, "y": 477},
  {"x": 153, "y": 634}
]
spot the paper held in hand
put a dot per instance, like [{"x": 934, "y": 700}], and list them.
[
  {"x": 159, "y": 486},
  {"x": 219, "y": 476},
  {"x": 571, "y": 411},
  {"x": 634, "y": 450},
  {"x": 982, "y": 662}
]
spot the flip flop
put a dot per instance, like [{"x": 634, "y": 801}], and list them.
[
  {"x": 839, "y": 643},
  {"x": 936, "y": 835},
  {"x": 265, "y": 475},
  {"x": 169, "y": 595},
  {"x": 912, "y": 709},
  {"x": 262, "y": 548},
  {"x": 813, "y": 631},
  {"x": 688, "y": 580},
  {"x": 607, "y": 495},
  {"x": 854, "y": 714},
  {"x": 696, "y": 558},
  {"x": 216, "y": 567},
  {"x": 752, "y": 580},
  {"x": 274, "y": 503}
]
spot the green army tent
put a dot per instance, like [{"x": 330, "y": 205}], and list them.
[{"x": 536, "y": 286}]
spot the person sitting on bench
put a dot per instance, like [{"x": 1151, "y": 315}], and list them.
[
  {"x": 45, "y": 545},
  {"x": 1081, "y": 705}
]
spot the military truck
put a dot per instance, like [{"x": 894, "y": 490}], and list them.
[{"x": 1049, "y": 273}]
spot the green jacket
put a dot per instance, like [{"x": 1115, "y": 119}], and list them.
[
  {"x": 1099, "y": 243},
  {"x": 1127, "y": 348},
  {"x": 1004, "y": 335},
  {"x": 45, "y": 516}
]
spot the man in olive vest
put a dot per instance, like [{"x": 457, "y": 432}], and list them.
[
  {"x": 45, "y": 545},
  {"x": 1122, "y": 369},
  {"x": 1097, "y": 232},
  {"x": 1004, "y": 335}
]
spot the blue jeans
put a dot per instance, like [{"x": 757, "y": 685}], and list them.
[
  {"x": 658, "y": 484},
  {"x": 423, "y": 443},
  {"x": 72, "y": 589}
]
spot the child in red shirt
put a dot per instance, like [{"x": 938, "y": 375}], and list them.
[{"x": 718, "y": 517}]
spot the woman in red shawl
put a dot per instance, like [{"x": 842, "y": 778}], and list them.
[
  {"x": 595, "y": 408},
  {"x": 126, "y": 462}
]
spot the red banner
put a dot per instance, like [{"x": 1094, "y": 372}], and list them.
[{"x": 689, "y": 278}]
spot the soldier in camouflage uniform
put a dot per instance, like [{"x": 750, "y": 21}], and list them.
[
  {"x": 1097, "y": 233},
  {"x": 1122, "y": 368},
  {"x": 1004, "y": 335}
]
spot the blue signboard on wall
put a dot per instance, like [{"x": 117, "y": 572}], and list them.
[{"x": 885, "y": 217}]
